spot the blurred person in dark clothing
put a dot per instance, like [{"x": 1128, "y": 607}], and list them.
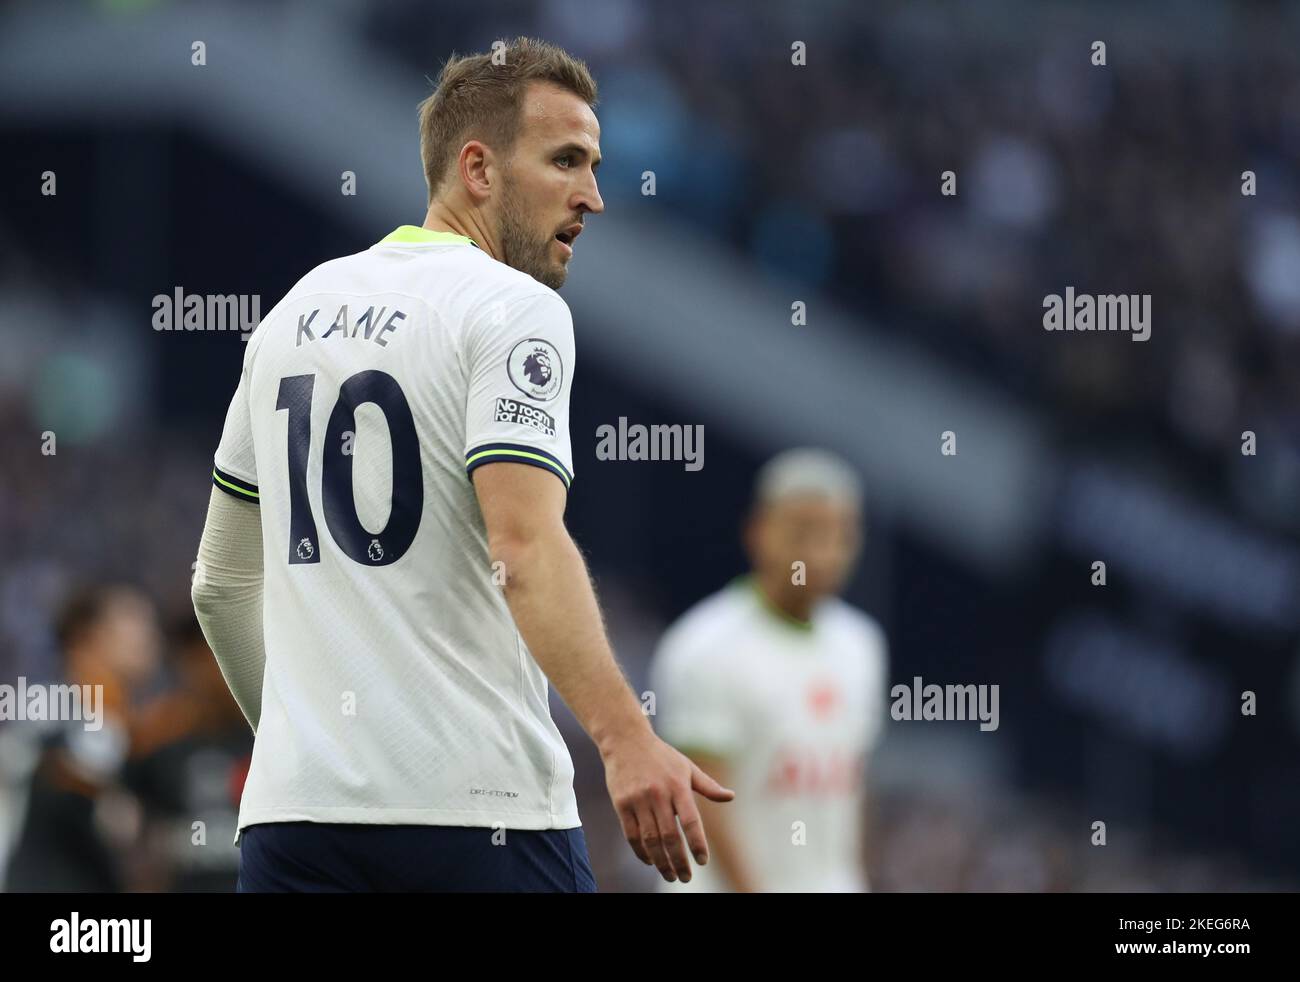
[
  {"x": 79, "y": 824},
  {"x": 190, "y": 754}
]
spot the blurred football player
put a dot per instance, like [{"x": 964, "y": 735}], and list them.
[
  {"x": 778, "y": 688},
  {"x": 385, "y": 576}
]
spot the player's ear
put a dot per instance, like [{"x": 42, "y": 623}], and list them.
[{"x": 476, "y": 166}]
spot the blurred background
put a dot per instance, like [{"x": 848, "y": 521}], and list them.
[{"x": 774, "y": 184}]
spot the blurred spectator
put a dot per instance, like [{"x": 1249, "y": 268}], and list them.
[
  {"x": 80, "y": 825},
  {"x": 190, "y": 756}
]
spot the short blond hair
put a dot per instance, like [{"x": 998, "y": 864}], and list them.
[{"x": 481, "y": 97}]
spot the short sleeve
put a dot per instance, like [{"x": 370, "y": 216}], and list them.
[
  {"x": 697, "y": 706},
  {"x": 234, "y": 468},
  {"x": 520, "y": 365}
]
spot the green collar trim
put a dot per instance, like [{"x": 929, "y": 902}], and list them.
[
  {"x": 750, "y": 583},
  {"x": 413, "y": 233}
]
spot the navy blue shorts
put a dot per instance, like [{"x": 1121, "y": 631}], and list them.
[{"x": 314, "y": 857}]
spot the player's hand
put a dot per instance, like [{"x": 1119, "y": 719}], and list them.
[{"x": 651, "y": 786}]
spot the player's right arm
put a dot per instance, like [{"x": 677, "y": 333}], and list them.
[
  {"x": 519, "y": 355},
  {"x": 549, "y": 593}
]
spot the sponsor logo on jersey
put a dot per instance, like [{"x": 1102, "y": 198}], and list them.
[
  {"x": 535, "y": 369},
  {"x": 807, "y": 771},
  {"x": 512, "y": 411}
]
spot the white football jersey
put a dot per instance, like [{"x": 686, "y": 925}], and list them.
[
  {"x": 397, "y": 688},
  {"x": 794, "y": 708}
]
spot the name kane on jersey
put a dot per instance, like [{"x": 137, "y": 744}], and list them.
[{"x": 370, "y": 320}]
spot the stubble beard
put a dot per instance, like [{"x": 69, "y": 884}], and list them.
[{"x": 523, "y": 249}]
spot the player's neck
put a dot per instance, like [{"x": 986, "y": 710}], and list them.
[
  {"x": 441, "y": 218},
  {"x": 784, "y": 598}
]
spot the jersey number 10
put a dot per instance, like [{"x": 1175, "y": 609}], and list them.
[{"x": 368, "y": 548}]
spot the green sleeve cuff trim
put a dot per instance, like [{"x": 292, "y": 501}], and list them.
[
  {"x": 517, "y": 454},
  {"x": 234, "y": 487}
]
